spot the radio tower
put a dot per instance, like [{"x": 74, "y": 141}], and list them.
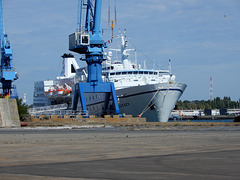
[{"x": 211, "y": 90}]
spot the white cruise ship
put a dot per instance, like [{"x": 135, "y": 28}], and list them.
[{"x": 141, "y": 92}]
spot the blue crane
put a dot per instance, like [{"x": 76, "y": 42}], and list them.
[
  {"x": 7, "y": 72},
  {"x": 88, "y": 40}
]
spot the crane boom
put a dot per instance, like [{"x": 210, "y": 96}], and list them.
[
  {"x": 88, "y": 41},
  {"x": 7, "y": 72}
]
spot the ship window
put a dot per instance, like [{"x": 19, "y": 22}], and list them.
[
  {"x": 124, "y": 72},
  {"x": 89, "y": 98},
  {"x": 135, "y": 72},
  {"x": 155, "y": 73},
  {"x": 145, "y": 72},
  {"x": 130, "y": 72},
  {"x": 118, "y": 73},
  {"x": 140, "y": 72},
  {"x": 112, "y": 67},
  {"x": 85, "y": 39},
  {"x": 112, "y": 73},
  {"x": 150, "y": 72}
]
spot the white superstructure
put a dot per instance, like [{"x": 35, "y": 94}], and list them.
[{"x": 148, "y": 93}]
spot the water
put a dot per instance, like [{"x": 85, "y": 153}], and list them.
[{"x": 204, "y": 120}]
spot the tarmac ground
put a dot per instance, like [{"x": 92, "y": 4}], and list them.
[{"x": 105, "y": 152}]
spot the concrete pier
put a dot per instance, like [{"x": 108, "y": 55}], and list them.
[{"x": 9, "y": 116}]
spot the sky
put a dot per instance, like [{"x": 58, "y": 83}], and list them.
[{"x": 201, "y": 37}]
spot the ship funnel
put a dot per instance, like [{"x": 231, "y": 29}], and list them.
[{"x": 69, "y": 66}]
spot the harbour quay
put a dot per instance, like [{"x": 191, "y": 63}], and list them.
[
  {"x": 208, "y": 117},
  {"x": 75, "y": 119},
  {"x": 204, "y": 114}
]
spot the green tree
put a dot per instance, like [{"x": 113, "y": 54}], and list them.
[
  {"x": 218, "y": 103},
  {"x": 23, "y": 110}
]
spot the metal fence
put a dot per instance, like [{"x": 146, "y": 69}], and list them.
[{"x": 60, "y": 110}]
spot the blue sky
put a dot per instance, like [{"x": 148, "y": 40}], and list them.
[{"x": 201, "y": 37}]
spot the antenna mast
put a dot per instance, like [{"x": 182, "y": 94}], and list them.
[
  {"x": 211, "y": 90},
  {"x": 112, "y": 23}
]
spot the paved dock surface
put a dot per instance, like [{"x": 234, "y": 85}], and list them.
[{"x": 119, "y": 153}]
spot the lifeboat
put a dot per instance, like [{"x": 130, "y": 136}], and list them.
[
  {"x": 60, "y": 90},
  {"x": 49, "y": 92},
  {"x": 67, "y": 89},
  {"x": 54, "y": 91}
]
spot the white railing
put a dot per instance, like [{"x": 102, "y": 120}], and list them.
[
  {"x": 60, "y": 110},
  {"x": 62, "y": 113},
  {"x": 44, "y": 109}
]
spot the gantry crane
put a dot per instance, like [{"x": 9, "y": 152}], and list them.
[
  {"x": 88, "y": 41},
  {"x": 7, "y": 72}
]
